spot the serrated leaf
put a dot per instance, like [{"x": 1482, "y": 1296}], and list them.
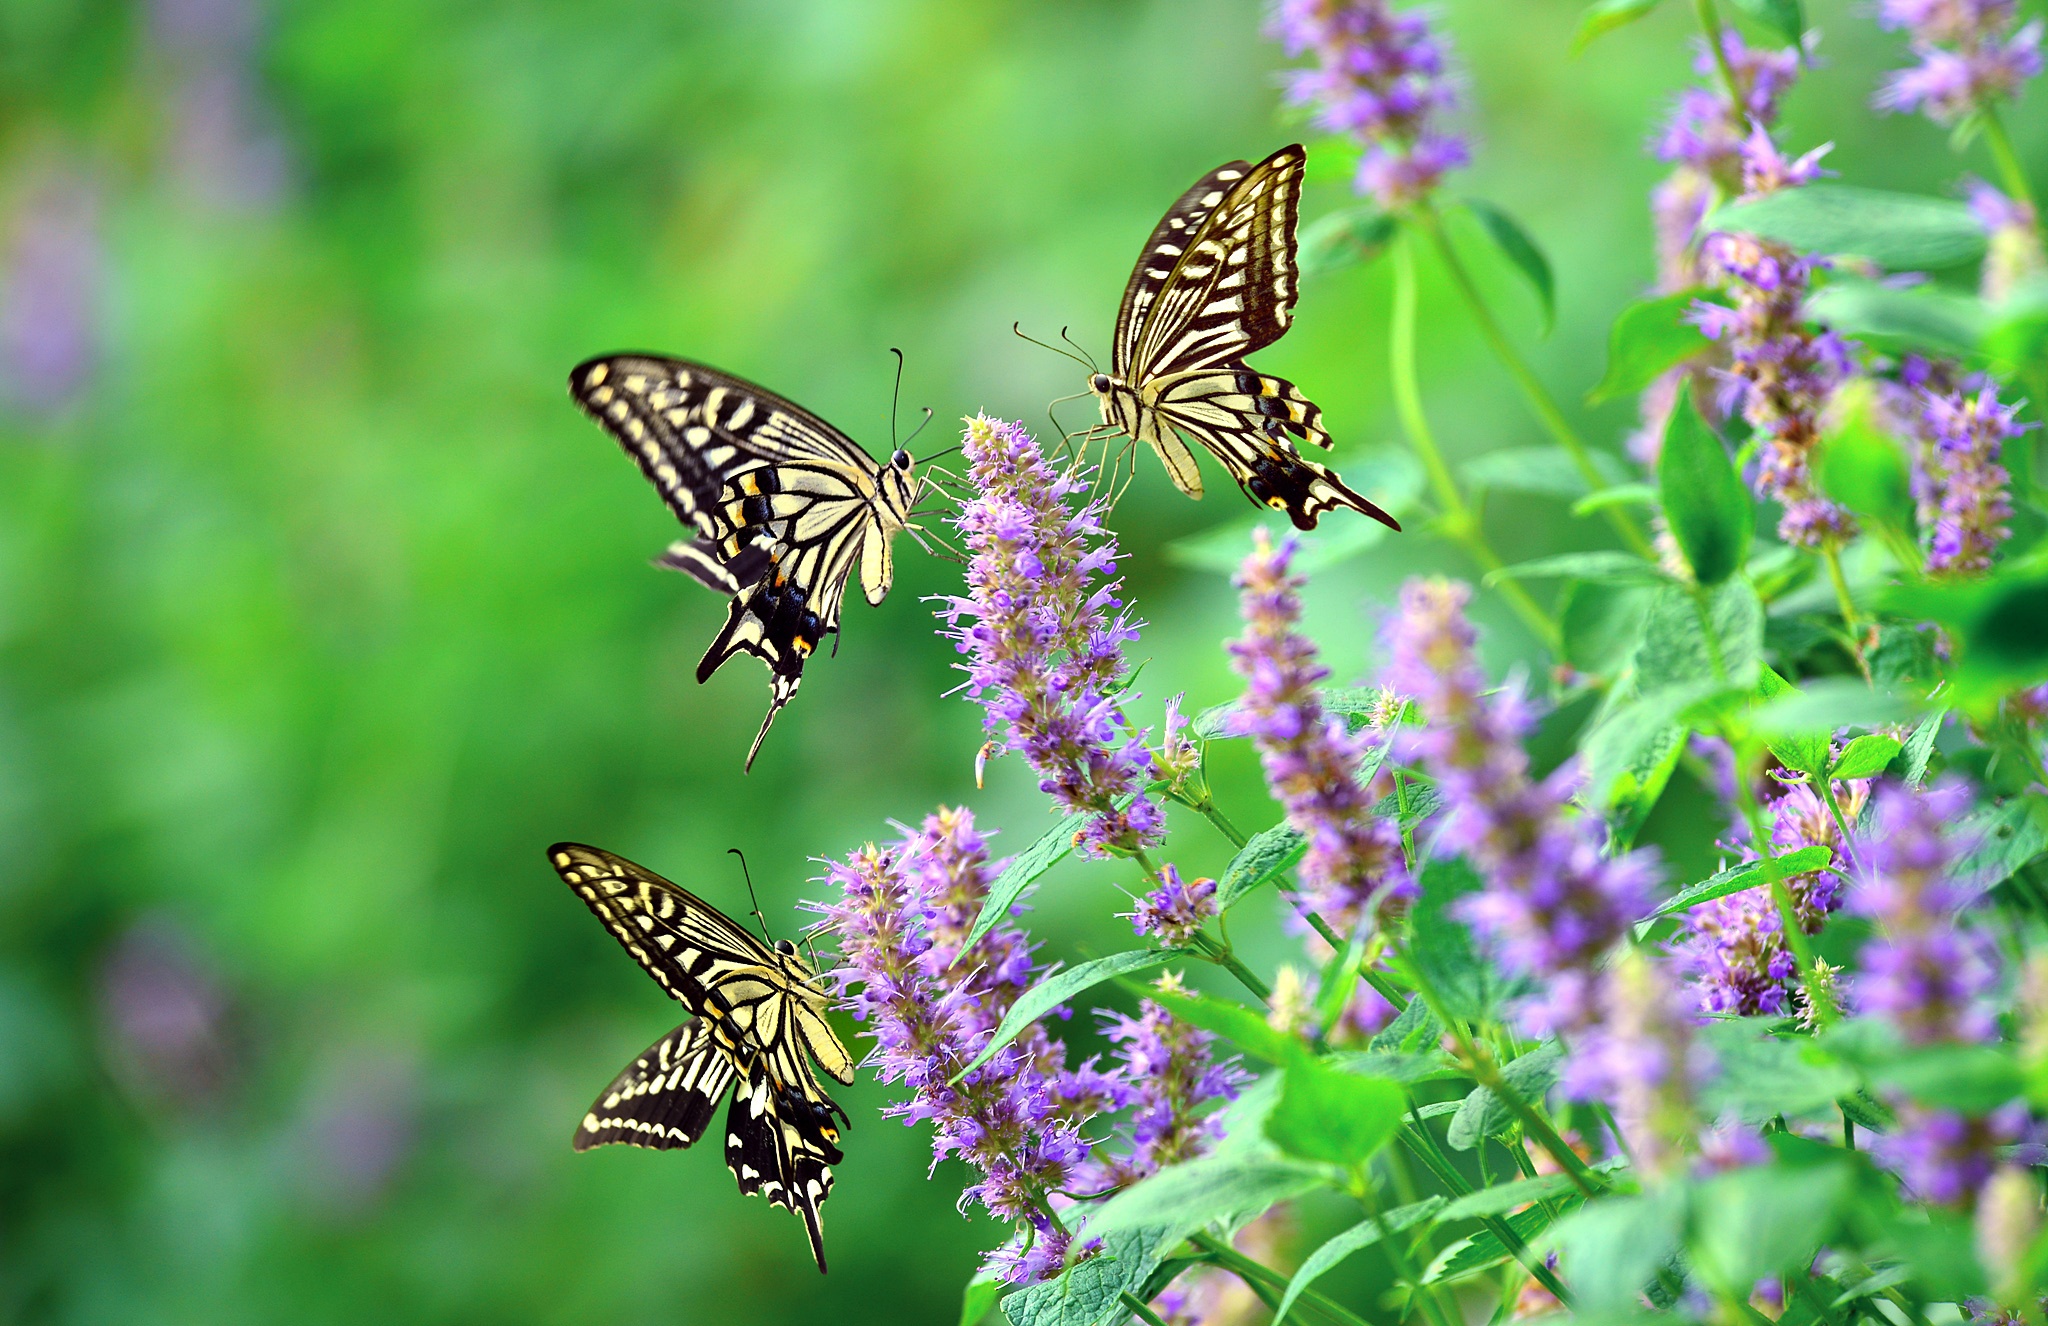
[
  {"x": 1898, "y": 231},
  {"x": 1247, "y": 1030},
  {"x": 1484, "y": 1250},
  {"x": 1648, "y": 340},
  {"x": 1334, "y": 1117},
  {"x": 1782, "y": 16},
  {"x": 1920, "y": 746},
  {"x": 1604, "y": 16},
  {"x": 1867, "y": 756},
  {"x": 1748, "y": 875},
  {"x": 1415, "y": 1028},
  {"x": 1600, "y": 568},
  {"x": 1683, "y": 646},
  {"x": 1266, "y": 856},
  {"x": 1707, "y": 506},
  {"x": 1052, "y": 846},
  {"x": 1061, "y": 986},
  {"x": 1189, "y": 1196},
  {"x": 1360, "y": 1236},
  {"x": 1517, "y": 246},
  {"x": 1091, "y": 1293},
  {"x": 1482, "y": 1114}
]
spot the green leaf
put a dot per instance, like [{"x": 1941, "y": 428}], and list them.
[
  {"x": 1415, "y": 1029},
  {"x": 1192, "y": 1195},
  {"x": 1609, "y": 1250},
  {"x": 1242, "y": 1027},
  {"x": 1091, "y": 1293},
  {"x": 1783, "y": 16},
  {"x": 1897, "y": 231},
  {"x": 1484, "y": 1250},
  {"x": 1867, "y": 756},
  {"x": 1760, "y": 1076},
  {"x": 1748, "y": 875},
  {"x": 1765, "y": 1220},
  {"x": 1482, "y": 1114},
  {"x": 1604, "y": 16},
  {"x": 978, "y": 1299},
  {"x": 1972, "y": 1079},
  {"x": 1626, "y": 747},
  {"x": 1941, "y": 1248},
  {"x": 1798, "y": 723},
  {"x": 1058, "y": 988},
  {"x": 1518, "y": 248},
  {"x": 1026, "y": 866},
  {"x": 1334, "y": 1117},
  {"x": 1621, "y": 494},
  {"x": 1441, "y": 947},
  {"x": 1999, "y": 626},
  {"x": 1677, "y": 649},
  {"x": 2004, "y": 839},
  {"x": 1504, "y": 1197},
  {"x": 1902, "y": 318},
  {"x": 1920, "y": 747},
  {"x": 1647, "y": 341},
  {"x": 1602, "y": 624},
  {"x": 1360, "y": 1236},
  {"x": 1340, "y": 977},
  {"x": 1862, "y": 465},
  {"x": 1549, "y": 471},
  {"x": 1344, "y": 238},
  {"x": 1602, "y": 568},
  {"x": 1356, "y": 703},
  {"x": 1266, "y": 856},
  {"x": 1708, "y": 507}
]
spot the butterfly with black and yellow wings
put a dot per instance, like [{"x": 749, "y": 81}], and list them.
[
  {"x": 1216, "y": 281},
  {"x": 783, "y": 504},
  {"x": 758, "y": 1022}
]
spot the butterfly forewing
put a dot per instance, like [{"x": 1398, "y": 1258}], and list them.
[
  {"x": 1163, "y": 252},
  {"x": 665, "y": 1098},
  {"x": 782, "y": 502}
]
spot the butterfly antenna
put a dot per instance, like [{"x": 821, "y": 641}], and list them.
[
  {"x": 920, "y": 428},
  {"x": 1089, "y": 364},
  {"x": 1087, "y": 358},
  {"x": 748, "y": 876},
  {"x": 896, "y": 398}
]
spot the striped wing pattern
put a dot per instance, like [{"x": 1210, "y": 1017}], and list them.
[
  {"x": 781, "y": 501},
  {"x": 665, "y": 1098},
  {"x": 1216, "y": 282},
  {"x": 759, "y": 1021}
]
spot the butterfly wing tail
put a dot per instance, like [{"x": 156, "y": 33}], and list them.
[{"x": 774, "y": 1157}]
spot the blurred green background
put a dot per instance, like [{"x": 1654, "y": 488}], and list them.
[{"x": 322, "y": 611}]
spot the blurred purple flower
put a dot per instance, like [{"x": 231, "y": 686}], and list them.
[
  {"x": 1946, "y": 1157},
  {"x": 1705, "y": 130},
  {"x": 224, "y": 143},
  {"x": 1378, "y": 76},
  {"x": 1353, "y": 868},
  {"x": 931, "y": 1008},
  {"x": 362, "y": 1127},
  {"x": 1552, "y": 906},
  {"x": 1970, "y": 56},
  {"x": 2012, "y": 234},
  {"x": 1961, "y": 488},
  {"x": 165, "y": 1017},
  {"x": 1045, "y": 631},
  {"x": 1644, "y": 1057},
  {"x": 1925, "y": 973},
  {"x": 1175, "y": 912},
  {"x": 51, "y": 282}
]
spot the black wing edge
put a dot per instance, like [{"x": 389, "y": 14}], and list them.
[{"x": 635, "y": 1109}]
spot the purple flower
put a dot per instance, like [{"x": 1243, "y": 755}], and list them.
[
  {"x": 1379, "y": 76},
  {"x": 1962, "y": 491},
  {"x": 1174, "y": 912},
  {"x": 1643, "y": 1056},
  {"x": 931, "y": 1007},
  {"x": 1970, "y": 56},
  {"x": 1552, "y": 906},
  {"x": 1045, "y": 630},
  {"x": 1172, "y": 1074},
  {"x": 50, "y": 283},
  {"x": 2013, "y": 235},
  {"x": 1353, "y": 866},
  {"x": 1705, "y": 130},
  {"x": 1924, "y": 973},
  {"x": 1945, "y": 1157}
]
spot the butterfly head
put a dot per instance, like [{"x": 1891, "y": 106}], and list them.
[
  {"x": 1099, "y": 383},
  {"x": 898, "y": 485}
]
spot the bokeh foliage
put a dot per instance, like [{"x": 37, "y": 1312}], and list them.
[{"x": 321, "y": 611}]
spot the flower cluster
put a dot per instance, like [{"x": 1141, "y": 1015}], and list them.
[
  {"x": 1970, "y": 56},
  {"x": 1378, "y": 76},
  {"x": 1172, "y": 1073},
  {"x": 1961, "y": 488},
  {"x": 1045, "y": 629},
  {"x": 2012, "y": 234},
  {"x": 931, "y": 1007},
  {"x": 1174, "y": 912},
  {"x": 1643, "y": 1057},
  {"x": 1553, "y": 906},
  {"x": 1353, "y": 866}
]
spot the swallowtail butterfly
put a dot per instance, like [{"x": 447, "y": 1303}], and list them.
[
  {"x": 1216, "y": 282},
  {"x": 783, "y": 504},
  {"x": 758, "y": 1020}
]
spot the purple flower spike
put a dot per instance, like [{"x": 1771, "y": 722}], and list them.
[
  {"x": 2013, "y": 235},
  {"x": 1045, "y": 631},
  {"x": 1379, "y": 76},
  {"x": 1962, "y": 491},
  {"x": 1552, "y": 906},
  {"x": 1970, "y": 56},
  {"x": 1924, "y": 973},
  {"x": 1174, "y": 912},
  {"x": 1172, "y": 1075},
  {"x": 1353, "y": 866},
  {"x": 1644, "y": 1056}
]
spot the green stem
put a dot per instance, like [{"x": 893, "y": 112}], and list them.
[
  {"x": 1826, "y": 788},
  {"x": 1401, "y": 818},
  {"x": 1139, "y": 1310},
  {"x": 1710, "y": 28},
  {"x": 1206, "y": 808},
  {"x": 1221, "y": 955},
  {"x": 1249, "y": 1271},
  {"x": 1479, "y": 1061},
  {"x": 2010, "y": 171},
  {"x": 1422, "y": 1144},
  {"x": 1803, "y": 1286},
  {"x": 1844, "y": 601},
  {"x": 1541, "y": 403},
  {"x": 1458, "y": 519},
  {"x": 1397, "y": 1249}
]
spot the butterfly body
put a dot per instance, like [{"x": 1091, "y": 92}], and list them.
[
  {"x": 758, "y": 1023},
  {"x": 784, "y": 506},
  {"x": 1216, "y": 282}
]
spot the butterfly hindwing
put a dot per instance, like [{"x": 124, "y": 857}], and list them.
[
  {"x": 772, "y": 1150},
  {"x": 782, "y": 504},
  {"x": 665, "y": 1098}
]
